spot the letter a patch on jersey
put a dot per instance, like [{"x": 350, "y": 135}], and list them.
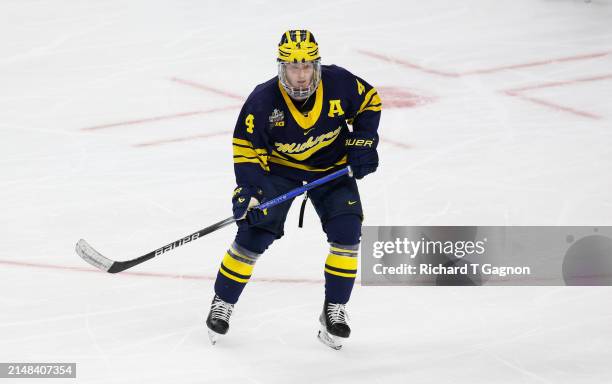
[{"x": 335, "y": 109}]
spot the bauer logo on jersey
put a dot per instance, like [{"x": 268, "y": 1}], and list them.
[{"x": 277, "y": 119}]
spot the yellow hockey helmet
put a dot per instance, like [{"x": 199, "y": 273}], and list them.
[{"x": 298, "y": 47}]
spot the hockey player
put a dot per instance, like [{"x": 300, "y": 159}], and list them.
[{"x": 294, "y": 128}]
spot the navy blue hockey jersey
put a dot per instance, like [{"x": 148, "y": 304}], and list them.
[{"x": 272, "y": 135}]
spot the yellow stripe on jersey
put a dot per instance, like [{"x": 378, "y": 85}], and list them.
[
  {"x": 250, "y": 152},
  {"x": 375, "y": 108},
  {"x": 245, "y": 153},
  {"x": 246, "y": 143},
  {"x": 306, "y": 122},
  {"x": 242, "y": 142},
  {"x": 277, "y": 159},
  {"x": 371, "y": 100},
  {"x": 367, "y": 97}
]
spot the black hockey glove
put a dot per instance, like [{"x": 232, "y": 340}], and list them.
[
  {"x": 245, "y": 197},
  {"x": 362, "y": 154}
]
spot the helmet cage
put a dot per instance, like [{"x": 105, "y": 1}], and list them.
[{"x": 300, "y": 93}]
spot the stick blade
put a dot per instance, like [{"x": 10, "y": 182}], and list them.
[{"x": 93, "y": 257}]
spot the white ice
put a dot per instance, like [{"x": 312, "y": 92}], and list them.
[{"x": 474, "y": 155}]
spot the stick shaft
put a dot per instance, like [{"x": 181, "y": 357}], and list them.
[
  {"x": 123, "y": 265},
  {"x": 93, "y": 257},
  {"x": 299, "y": 190}
]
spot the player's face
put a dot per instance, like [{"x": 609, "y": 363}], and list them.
[{"x": 299, "y": 75}]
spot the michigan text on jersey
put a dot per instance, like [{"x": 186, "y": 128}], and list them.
[{"x": 302, "y": 151}]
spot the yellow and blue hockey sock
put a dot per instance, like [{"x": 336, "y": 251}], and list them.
[
  {"x": 340, "y": 272},
  {"x": 234, "y": 273}
]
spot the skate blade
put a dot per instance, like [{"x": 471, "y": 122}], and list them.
[
  {"x": 213, "y": 337},
  {"x": 331, "y": 341}
]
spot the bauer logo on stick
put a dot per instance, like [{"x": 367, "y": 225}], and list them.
[{"x": 177, "y": 243}]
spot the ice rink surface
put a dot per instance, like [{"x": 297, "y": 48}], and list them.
[{"x": 116, "y": 120}]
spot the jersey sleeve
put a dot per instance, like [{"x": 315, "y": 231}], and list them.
[
  {"x": 366, "y": 103},
  {"x": 249, "y": 147}
]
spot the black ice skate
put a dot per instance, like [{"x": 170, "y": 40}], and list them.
[
  {"x": 334, "y": 328},
  {"x": 218, "y": 319}
]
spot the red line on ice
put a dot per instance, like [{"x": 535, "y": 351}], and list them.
[
  {"x": 159, "y": 118},
  {"x": 561, "y": 83},
  {"x": 536, "y": 63},
  {"x": 407, "y": 64},
  {"x": 518, "y": 92},
  {"x": 207, "y": 88},
  {"x": 482, "y": 71},
  {"x": 181, "y": 139},
  {"x": 153, "y": 274},
  {"x": 395, "y": 143},
  {"x": 396, "y": 97},
  {"x": 558, "y": 107}
]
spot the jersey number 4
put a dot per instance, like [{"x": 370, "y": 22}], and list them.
[{"x": 249, "y": 123}]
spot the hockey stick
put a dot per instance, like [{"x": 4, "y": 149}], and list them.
[{"x": 95, "y": 258}]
